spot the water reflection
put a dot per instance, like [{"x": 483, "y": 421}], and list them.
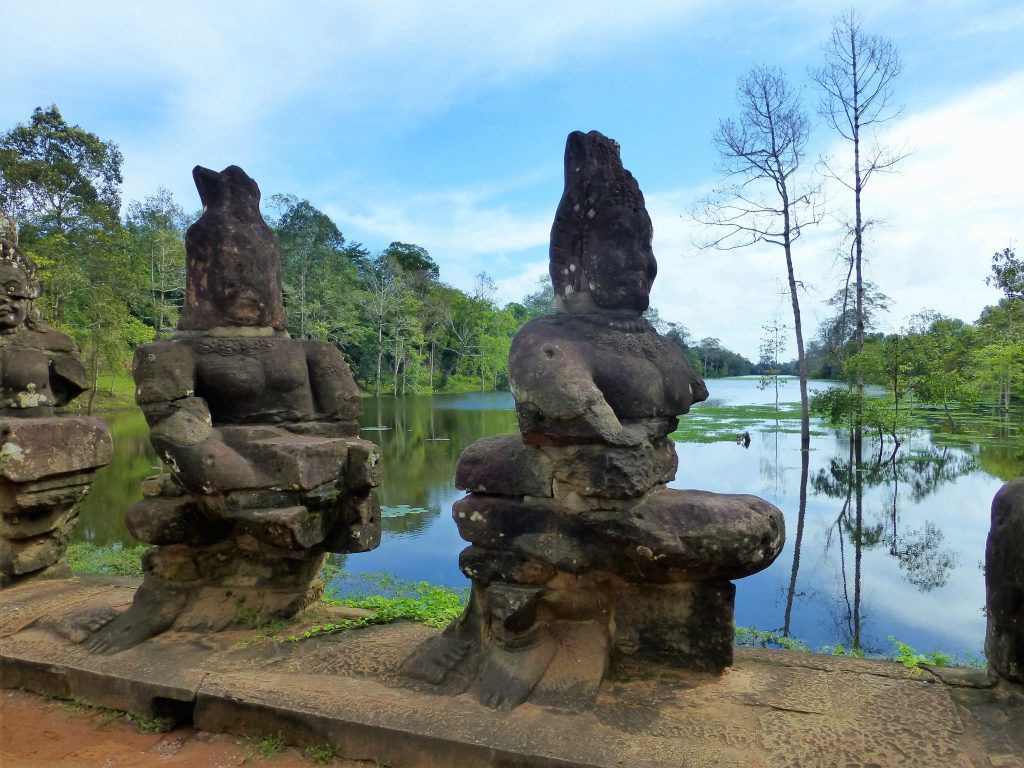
[
  {"x": 883, "y": 543},
  {"x": 117, "y": 485}
]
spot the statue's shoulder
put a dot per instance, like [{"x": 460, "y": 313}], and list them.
[
  {"x": 46, "y": 338},
  {"x": 549, "y": 326},
  {"x": 163, "y": 357}
]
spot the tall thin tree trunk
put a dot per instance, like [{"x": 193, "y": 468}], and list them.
[
  {"x": 94, "y": 364},
  {"x": 805, "y": 412},
  {"x": 431, "y": 366},
  {"x": 858, "y": 434}
]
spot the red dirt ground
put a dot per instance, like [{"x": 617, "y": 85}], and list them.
[{"x": 40, "y": 733}]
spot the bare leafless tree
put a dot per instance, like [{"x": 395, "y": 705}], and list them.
[
  {"x": 761, "y": 198},
  {"x": 857, "y": 97}
]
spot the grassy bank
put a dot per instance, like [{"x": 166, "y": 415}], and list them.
[{"x": 113, "y": 393}]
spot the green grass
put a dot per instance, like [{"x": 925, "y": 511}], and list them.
[
  {"x": 725, "y": 423},
  {"x": 114, "y": 560},
  {"x": 120, "y": 398},
  {"x": 902, "y": 653},
  {"x": 105, "y": 716},
  {"x": 267, "y": 747},
  {"x": 389, "y": 597},
  {"x": 322, "y": 754},
  {"x": 433, "y": 605}
]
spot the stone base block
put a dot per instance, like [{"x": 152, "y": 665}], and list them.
[
  {"x": 32, "y": 449},
  {"x": 689, "y": 625}
]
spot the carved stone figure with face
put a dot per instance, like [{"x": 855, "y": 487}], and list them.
[
  {"x": 15, "y": 297},
  {"x": 39, "y": 366},
  {"x": 46, "y": 460},
  {"x": 259, "y": 432}
]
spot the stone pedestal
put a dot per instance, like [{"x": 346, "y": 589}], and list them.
[
  {"x": 46, "y": 468},
  {"x": 255, "y": 554}
]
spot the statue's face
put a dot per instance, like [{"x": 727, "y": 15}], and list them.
[
  {"x": 15, "y": 296},
  {"x": 618, "y": 263}
]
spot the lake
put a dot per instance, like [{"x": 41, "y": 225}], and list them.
[{"x": 896, "y": 548}]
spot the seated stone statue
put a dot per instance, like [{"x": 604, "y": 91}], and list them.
[
  {"x": 579, "y": 552},
  {"x": 259, "y": 432},
  {"x": 46, "y": 461}
]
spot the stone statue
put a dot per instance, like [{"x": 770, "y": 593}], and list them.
[
  {"x": 259, "y": 432},
  {"x": 46, "y": 461},
  {"x": 579, "y": 554},
  {"x": 1004, "y": 584}
]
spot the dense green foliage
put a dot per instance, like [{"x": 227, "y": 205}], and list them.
[{"x": 937, "y": 361}]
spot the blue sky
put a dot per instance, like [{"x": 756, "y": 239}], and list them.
[{"x": 443, "y": 124}]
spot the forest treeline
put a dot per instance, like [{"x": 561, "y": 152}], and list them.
[{"x": 112, "y": 277}]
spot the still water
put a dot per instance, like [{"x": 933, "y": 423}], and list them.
[{"x": 894, "y": 548}]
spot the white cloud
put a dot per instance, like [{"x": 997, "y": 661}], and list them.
[
  {"x": 954, "y": 202},
  {"x": 957, "y": 200}
]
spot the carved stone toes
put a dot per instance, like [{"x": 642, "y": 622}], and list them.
[
  {"x": 436, "y": 659},
  {"x": 153, "y": 611},
  {"x": 78, "y": 626},
  {"x": 507, "y": 676}
]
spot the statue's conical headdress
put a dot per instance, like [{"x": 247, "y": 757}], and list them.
[
  {"x": 233, "y": 265},
  {"x": 11, "y": 253},
  {"x": 602, "y": 207}
]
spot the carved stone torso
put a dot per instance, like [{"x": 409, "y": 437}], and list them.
[
  {"x": 39, "y": 370},
  {"x": 253, "y": 380},
  {"x": 639, "y": 373}
]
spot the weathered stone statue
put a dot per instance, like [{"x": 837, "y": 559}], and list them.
[
  {"x": 259, "y": 431},
  {"x": 46, "y": 461},
  {"x": 578, "y": 553},
  {"x": 1004, "y": 584}
]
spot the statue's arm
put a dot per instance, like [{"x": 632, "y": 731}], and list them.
[
  {"x": 181, "y": 427},
  {"x": 68, "y": 378},
  {"x": 553, "y": 383},
  {"x": 334, "y": 390}
]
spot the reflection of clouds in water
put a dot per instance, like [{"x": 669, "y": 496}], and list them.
[{"x": 942, "y": 486}]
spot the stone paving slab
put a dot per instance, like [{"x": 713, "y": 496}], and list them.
[{"x": 772, "y": 708}]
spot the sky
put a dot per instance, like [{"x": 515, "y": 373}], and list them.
[{"x": 443, "y": 124}]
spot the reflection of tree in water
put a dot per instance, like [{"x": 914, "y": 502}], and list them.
[
  {"x": 411, "y": 523},
  {"x": 920, "y": 552},
  {"x": 118, "y": 485},
  {"x": 773, "y": 473},
  {"x": 421, "y": 440},
  {"x": 923, "y": 558}
]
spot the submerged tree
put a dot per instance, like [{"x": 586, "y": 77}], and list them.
[{"x": 760, "y": 199}]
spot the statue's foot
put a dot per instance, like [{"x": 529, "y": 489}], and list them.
[
  {"x": 509, "y": 674},
  {"x": 153, "y": 611},
  {"x": 437, "y": 658},
  {"x": 79, "y": 626},
  {"x": 449, "y": 659}
]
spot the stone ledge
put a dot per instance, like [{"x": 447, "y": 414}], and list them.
[{"x": 772, "y": 708}]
